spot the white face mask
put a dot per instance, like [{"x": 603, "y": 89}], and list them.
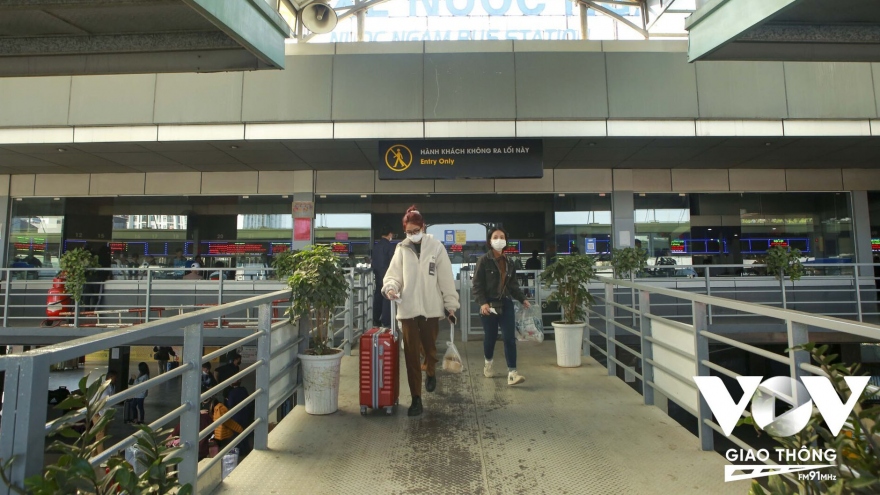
[
  {"x": 415, "y": 238},
  {"x": 498, "y": 244}
]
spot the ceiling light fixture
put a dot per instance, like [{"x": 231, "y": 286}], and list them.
[
  {"x": 233, "y": 147},
  {"x": 363, "y": 195},
  {"x": 62, "y": 150},
  {"x": 285, "y": 196},
  {"x": 601, "y": 195},
  {"x": 245, "y": 197},
  {"x": 681, "y": 194},
  {"x": 323, "y": 196},
  {"x": 561, "y": 195},
  {"x": 641, "y": 195},
  {"x": 57, "y": 199},
  {"x": 768, "y": 144},
  {"x": 592, "y": 144}
]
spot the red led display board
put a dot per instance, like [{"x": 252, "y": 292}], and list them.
[
  {"x": 339, "y": 248},
  {"x": 224, "y": 248},
  {"x": 677, "y": 247},
  {"x": 779, "y": 243}
]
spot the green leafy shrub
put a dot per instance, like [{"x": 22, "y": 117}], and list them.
[
  {"x": 628, "y": 261},
  {"x": 784, "y": 261},
  {"x": 284, "y": 264},
  {"x": 73, "y": 474},
  {"x": 857, "y": 469},
  {"x": 75, "y": 264},
  {"x": 570, "y": 275},
  {"x": 318, "y": 285}
]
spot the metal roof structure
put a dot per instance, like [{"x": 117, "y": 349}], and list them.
[
  {"x": 79, "y": 37},
  {"x": 790, "y": 30}
]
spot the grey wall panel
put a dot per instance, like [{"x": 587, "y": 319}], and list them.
[
  {"x": 742, "y": 90},
  {"x": 651, "y": 85},
  {"x": 198, "y": 98},
  {"x": 107, "y": 100},
  {"x": 829, "y": 90},
  {"x": 377, "y": 87},
  {"x": 469, "y": 86},
  {"x": 34, "y": 101},
  {"x": 300, "y": 92},
  {"x": 561, "y": 85}
]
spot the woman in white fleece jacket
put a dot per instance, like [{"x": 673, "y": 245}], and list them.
[{"x": 420, "y": 276}]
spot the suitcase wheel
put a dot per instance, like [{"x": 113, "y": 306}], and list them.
[
  {"x": 389, "y": 411},
  {"x": 363, "y": 410}
]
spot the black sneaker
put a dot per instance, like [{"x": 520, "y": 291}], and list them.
[
  {"x": 431, "y": 383},
  {"x": 416, "y": 408}
]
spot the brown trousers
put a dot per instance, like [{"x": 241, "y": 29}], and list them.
[{"x": 419, "y": 333}]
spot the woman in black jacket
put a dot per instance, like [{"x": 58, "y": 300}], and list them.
[{"x": 494, "y": 288}]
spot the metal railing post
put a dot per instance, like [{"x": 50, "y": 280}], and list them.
[
  {"x": 647, "y": 347},
  {"x": 220, "y": 297},
  {"x": 465, "y": 304},
  {"x": 610, "y": 346},
  {"x": 708, "y": 290},
  {"x": 7, "y": 431},
  {"x": 190, "y": 393},
  {"x": 782, "y": 288},
  {"x": 30, "y": 419},
  {"x": 304, "y": 328},
  {"x": 797, "y": 335},
  {"x": 858, "y": 292},
  {"x": 348, "y": 320},
  {"x": 149, "y": 295},
  {"x": 701, "y": 348},
  {"x": 6, "y": 295},
  {"x": 264, "y": 353},
  {"x": 76, "y": 313}
]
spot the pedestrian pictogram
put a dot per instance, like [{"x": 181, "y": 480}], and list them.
[{"x": 398, "y": 158}]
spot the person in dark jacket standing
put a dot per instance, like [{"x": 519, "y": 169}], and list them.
[
  {"x": 494, "y": 288},
  {"x": 383, "y": 250},
  {"x": 163, "y": 355}
]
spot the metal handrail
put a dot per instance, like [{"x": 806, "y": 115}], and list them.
[
  {"x": 29, "y": 371},
  {"x": 676, "y": 362},
  {"x": 867, "y": 330}
]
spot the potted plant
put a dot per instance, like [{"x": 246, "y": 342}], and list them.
[
  {"x": 570, "y": 276},
  {"x": 75, "y": 265},
  {"x": 318, "y": 286},
  {"x": 629, "y": 261},
  {"x": 784, "y": 262}
]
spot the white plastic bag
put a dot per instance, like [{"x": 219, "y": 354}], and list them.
[
  {"x": 529, "y": 325},
  {"x": 452, "y": 359}
]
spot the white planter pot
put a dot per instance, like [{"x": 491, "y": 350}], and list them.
[
  {"x": 569, "y": 340},
  {"x": 321, "y": 382}
]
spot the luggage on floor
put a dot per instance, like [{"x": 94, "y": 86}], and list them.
[
  {"x": 380, "y": 367},
  {"x": 128, "y": 411}
]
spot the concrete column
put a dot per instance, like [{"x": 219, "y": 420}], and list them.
[
  {"x": 307, "y": 198},
  {"x": 623, "y": 219},
  {"x": 862, "y": 230}
]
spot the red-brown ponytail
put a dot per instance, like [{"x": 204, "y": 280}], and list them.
[{"x": 414, "y": 217}]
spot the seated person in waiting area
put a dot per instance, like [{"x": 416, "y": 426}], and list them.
[{"x": 193, "y": 273}]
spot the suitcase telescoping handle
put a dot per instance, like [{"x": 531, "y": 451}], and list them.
[{"x": 395, "y": 333}]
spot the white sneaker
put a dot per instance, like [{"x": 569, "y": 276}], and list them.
[
  {"x": 487, "y": 370},
  {"x": 513, "y": 378}
]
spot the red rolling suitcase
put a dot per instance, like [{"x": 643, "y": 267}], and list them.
[{"x": 380, "y": 368}]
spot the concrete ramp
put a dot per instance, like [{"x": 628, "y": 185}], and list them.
[{"x": 574, "y": 431}]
